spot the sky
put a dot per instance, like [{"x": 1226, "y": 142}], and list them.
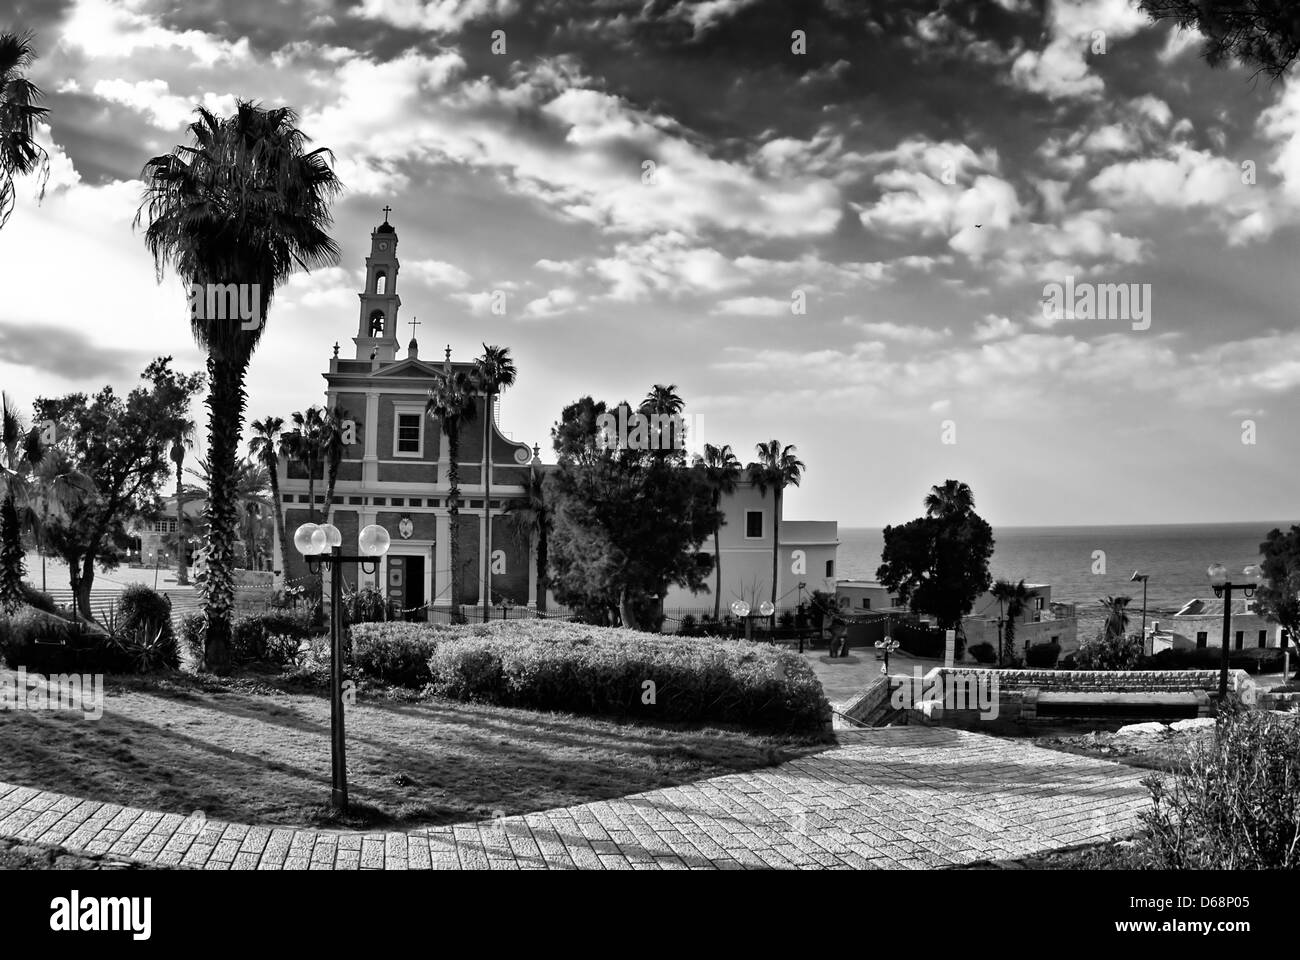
[{"x": 833, "y": 223}]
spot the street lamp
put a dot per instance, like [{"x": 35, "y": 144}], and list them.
[
  {"x": 1223, "y": 587},
  {"x": 742, "y": 610},
  {"x": 1144, "y": 577},
  {"x": 322, "y": 544}
]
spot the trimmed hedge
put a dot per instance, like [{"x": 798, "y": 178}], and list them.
[
  {"x": 44, "y": 643},
  {"x": 396, "y": 652},
  {"x": 1252, "y": 660},
  {"x": 547, "y": 665},
  {"x": 983, "y": 653},
  {"x": 274, "y": 637}
]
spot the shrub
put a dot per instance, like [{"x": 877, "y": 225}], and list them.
[
  {"x": 249, "y": 637},
  {"x": 35, "y": 598},
  {"x": 396, "y": 652},
  {"x": 984, "y": 653},
  {"x": 1111, "y": 652},
  {"x": 1043, "y": 655},
  {"x": 144, "y": 627},
  {"x": 688, "y": 627},
  {"x": 194, "y": 632},
  {"x": 1254, "y": 660},
  {"x": 603, "y": 670},
  {"x": 44, "y": 643},
  {"x": 367, "y": 605},
  {"x": 1236, "y": 803}
]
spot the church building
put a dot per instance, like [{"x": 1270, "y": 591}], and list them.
[{"x": 394, "y": 474}]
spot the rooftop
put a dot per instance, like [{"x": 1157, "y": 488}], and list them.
[{"x": 1201, "y": 607}]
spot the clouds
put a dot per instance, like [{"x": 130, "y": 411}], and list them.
[{"x": 1076, "y": 29}]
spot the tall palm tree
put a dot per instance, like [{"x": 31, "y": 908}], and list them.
[
  {"x": 722, "y": 472},
  {"x": 20, "y": 154},
  {"x": 1116, "y": 615},
  {"x": 493, "y": 372},
  {"x": 252, "y": 499},
  {"x": 243, "y": 203},
  {"x": 777, "y": 467},
  {"x": 16, "y": 442},
  {"x": 532, "y": 516},
  {"x": 451, "y": 404},
  {"x": 954, "y": 498},
  {"x": 264, "y": 448},
  {"x": 662, "y": 401},
  {"x": 305, "y": 445},
  {"x": 183, "y": 431},
  {"x": 334, "y": 428},
  {"x": 1014, "y": 596}
]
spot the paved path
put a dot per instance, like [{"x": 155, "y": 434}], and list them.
[{"x": 890, "y": 797}]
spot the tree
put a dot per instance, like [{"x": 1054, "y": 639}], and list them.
[
  {"x": 493, "y": 372},
  {"x": 777, "y": 467},
  {"x": 252, "y": 484},
  {"x": 1264, "y": 34},
  {"x": 531, "y": 517},
  {"x": 335, "y": 423},
  {"x": 451, "y": 404},
  {"x": 15, "y": 446},
  {"x": 1014, "y": 596},
  {"x": 575, "y": 436},
  {"x": 627, "y": 526},
  {"x": 722, "y": 471},
  {"x": 20, "y": 154},
  {"x": 56, "y": 486},
  {"x": 939, "y": 564},
  {"x": 1116, "y": 615},
  {"x": 1278, "y": 596},
  {"x": 183, "y": 431},
  {"x": 243, "y": 203},
  {"x": 662, "y": 403},
  {"x": 305, "y": 446},
  {"x": 954, "y": 498},
  {"x": 124, "y": 444},
  {"x": 264, "y": 447}
]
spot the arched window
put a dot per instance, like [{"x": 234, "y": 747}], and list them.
[
  {"x": 377, "y": 323},
  {"x": 381, "y": 283}
]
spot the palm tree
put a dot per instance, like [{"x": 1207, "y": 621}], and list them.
[
  {"x": 244, "y": 203},
  {"x": 493, "y": 372},
  {"x": 57, "y": 487},
  {"x": 1116, "y": 615},
  {"x": 530, "y": 517},
  {"x": 777, "y": 467},
  {"x": 20, "y": 154},
  {"x": 183, "y": 431},
  {"x": 722, "y": 472},
  {"x": 662, "y": 401},
  {"x": 1015, "y": 596},
  {"x": 334, "y": 429},
  {"x": 15, "y": 444},
  {"x": 954, "y": 498},
  {"x": 305, "y": 445},
  {"x": 264, "y": 447},
  {"x": 451, "y": 404},
  {"x": 251, "y": 498}
]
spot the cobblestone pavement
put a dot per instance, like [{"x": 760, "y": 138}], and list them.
[{"x": 893, "y": 797}]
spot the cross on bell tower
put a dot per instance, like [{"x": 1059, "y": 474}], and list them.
[{"x": 377, "y": 325}]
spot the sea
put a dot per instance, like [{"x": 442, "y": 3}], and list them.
[{"x": 1085, "y": 563}]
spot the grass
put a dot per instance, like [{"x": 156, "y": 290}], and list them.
[
  {"x": 18, "y": 855},
  {"x": 251, "y": 750}
]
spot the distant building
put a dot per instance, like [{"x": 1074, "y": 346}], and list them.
[
  {"x": 1199, "y": 624},
  {"x": 861, "y": 596},
  {"x": 806, "y": 555}
]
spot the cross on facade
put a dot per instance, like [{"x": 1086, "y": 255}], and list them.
[
  {"x": 414, "y": 323},
  {"x": 387, "y": 211}
]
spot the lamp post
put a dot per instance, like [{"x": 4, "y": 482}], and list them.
[
  {"x": 741, "y": 609},
  {"x": 889, "y": 645},
  {"x": 1223, "y": 587},
  {"x": 321, "y": 544},
  {"x": 1144, "y": 577}
]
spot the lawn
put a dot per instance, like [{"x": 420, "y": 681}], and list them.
[{"x": 249, "y": 750}]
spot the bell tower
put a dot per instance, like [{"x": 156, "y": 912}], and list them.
[{"x": 376, "y": 337}]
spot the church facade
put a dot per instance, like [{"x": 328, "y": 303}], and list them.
[{"x": 395, "y": 472}]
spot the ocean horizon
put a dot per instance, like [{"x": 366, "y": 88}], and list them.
[{"x": 1085, "y": 562}]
